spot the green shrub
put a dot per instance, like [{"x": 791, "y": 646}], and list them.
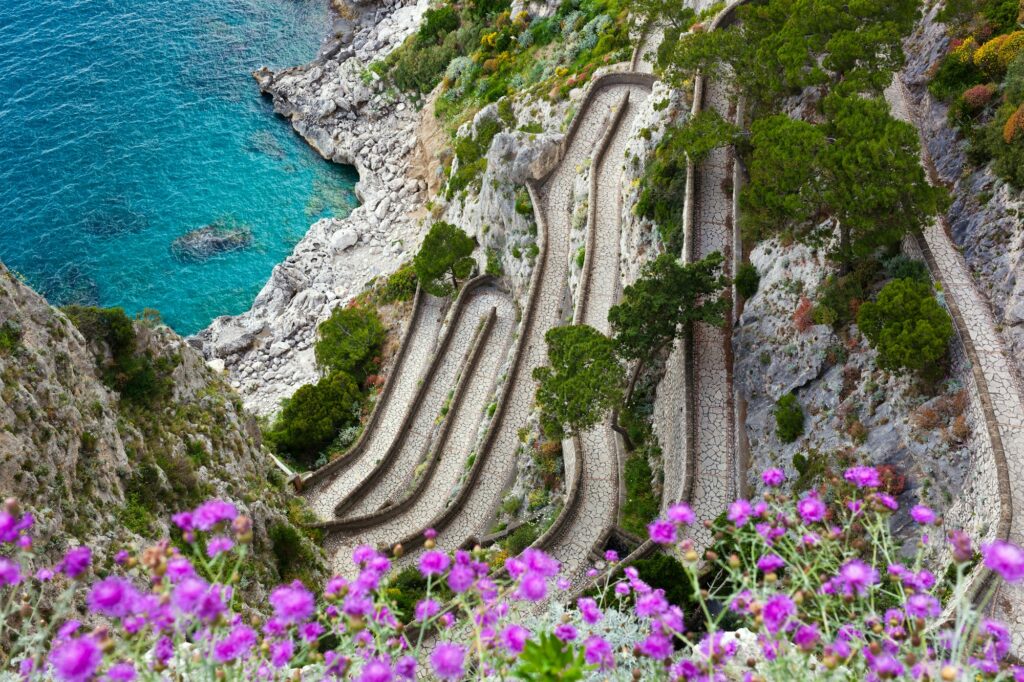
[
  {"x": 313, "y": 416},
  {"x": 521, "y": 538},
  {"x": 349, "y": 341},
  {"x": 437, "y": 23},
  {"x": 494, "y": 266},
  {"x": 295, "y": 560},
  {"x": 663, "y": 188},
  {"x": 524, "y": 205},
  {"x": 471, "y": 152},
  {"x": 840, "y": 296},
  {"x": 747, "y": 280},
  {"x": 662, "y": 571},
  {"x": 907, "y": 326},
  {"x": 901, "y": 267},
  {"x": 642, "y": 504},
  {"x": 789, "y": 418},
  {"x": 10, "y": 337},
  {"x": 811, "y": 469},
  {"x": 953, "y": 77},
  {"x": 401, "y": 285}
]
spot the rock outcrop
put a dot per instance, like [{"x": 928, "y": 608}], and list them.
[{"x": 98, "y": 468}]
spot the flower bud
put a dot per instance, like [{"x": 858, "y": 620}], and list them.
[
  {"x": 949, "y": 673},
  {"x": 430, "y": 543},
  {"x": 242, "y": 525},
  {"x": 397, "y": 550},
  {"x": 12, "y": 507},
  {"x": 690, "y": 556},
  {"x": 734, "y": 561}
]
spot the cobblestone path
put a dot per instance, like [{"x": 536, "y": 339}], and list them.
[
  {"x": 1006, "y": 403},
  {"x": 421, "y": 341},
  {"x": 597, "y": 509},
  {"x": 554, "y": 205},
  {"x": 432, "y": 493},
  {"x": 413, "y": 443},
  {"x": 714, "y": 478}
]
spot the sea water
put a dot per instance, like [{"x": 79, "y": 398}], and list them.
[{"x": 125, "y": 124}]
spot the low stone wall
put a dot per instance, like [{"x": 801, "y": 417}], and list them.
[
  {"x": 331, "y": 469},
  {"x": 385, "y": 463}
]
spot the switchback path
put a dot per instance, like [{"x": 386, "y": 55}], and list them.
[
  {"x": 594, "y": 512},
  {"x": 452, "y": 449},
  {"x": 335, "y": 481}
]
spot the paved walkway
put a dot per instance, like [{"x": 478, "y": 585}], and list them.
[
  {"x": 413, "y": 443},
  {"x": 1005, "y": 407},
  {"x": 597, "y": 508},
  {"x": 713, "y": 485},
  {"x": 421, "y": 340},
  {"x": 432, "y": 493}
]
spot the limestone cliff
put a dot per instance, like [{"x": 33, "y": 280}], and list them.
[{"x": 107, "y": 467}]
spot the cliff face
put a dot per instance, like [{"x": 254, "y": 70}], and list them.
[{"x": 107, "y": 467}]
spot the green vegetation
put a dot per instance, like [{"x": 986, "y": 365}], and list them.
[
  {"x": 982, "y": 79},
  {"x": 444, "y": 255},
  {"x": 137, "y": 377},
  {"x": 642, "y": 503},
  {"x": 400, "y": 286},
  {"x": 547, "y": 659},
  {"x": 907, "y": 326},
  {"x": 349, "y": 342},
  {"x": 471, "y": 152},
  {"x": 747, "y": 280},
  {"x": 521, "y": 538},
  {"x": 667, "y": 296},
  {"x": 293, "y": 554},
  {"x": 584, "y": 380},
  {"x": 10, "y": 338},
  {"x": 861, "y": 168},
  {"x": 312, "y": 417},
  {"x": 663, "y": 188},
  {"x": 662, "y": 571},
  {"x": 789, "y": 418}
]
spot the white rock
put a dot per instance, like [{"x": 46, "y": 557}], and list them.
[
  {"x": 216, "y": 364},
  {"x": 344, "y": 239}
]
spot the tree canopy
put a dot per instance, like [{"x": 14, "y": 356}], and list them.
[
  {"x": 444, "y": 256},
  {"x": 779, "y": 47},
  {"x": 349, "y": 341},
  {"x": 861, "y": 167},
  {"x": 667, "y": 295},
  {"x": 312, "y": 417},
  {"x": 907, "y": 326},
  {"x": 584, "y": 380}
]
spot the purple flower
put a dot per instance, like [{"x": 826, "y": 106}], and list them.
[
  {"x": 662, "y": 532},
  {"x": 923, "y": 606},
  {"x": 922, "y": 515},
  {"x": 657, "y": 646},
  {"x": 237, "y": 644},
  {"x": 218, "y": 545},
  {"x": 376, "y": 670},
  {"x": 513, "y": 638},
  {"x": 681, "y": 513},
  {"x": 611, "y": 556},
  {"x": 179, "y": 568},
  {"x": 651, "y": 603},
  {"x": 1005, "y": 558},
  {"x": 207, "y": 515},
  {"x": 281, "y": 653},
  {"x": 597, "y": 651},
  {"x": 447, "y": 661},
  {"x": 961, "y": 543},
  {"x": 187, "y": 593},
  {"x": 122, "y": 672},
  {"x": 777, "y": 612},
  {"x": 406, "y": 668},
  {"x": 773, "y": 478},
  {"x": 811, "y": 509},
  {"x": 806, "y": 637},
  {"x": 863, "y": 477},
  {"x": 426, "y": 609},
  {"x": 75, "y": 660},
  {"x": 183, "y": 520},
  {"x": 75, "y": 562},
  {"x": 112, "y": 597},
  {"x": 10, "y": 571},
  {"x": 292, "y": 603},
  {"x": 770, "y": 563},
  {"x": 121, "y": 558},
  {"x": 433, "y": 563},
  {"x": 532, "y": 587},
  {"x": 739, "y": 512},
  {"x": 855, "y": 577},
  {"x": 887, "y": 501},
  {"x": 461, "y": 578},
  {"x": 566, "y": 632},
  {"x": 588, "y": 610}
]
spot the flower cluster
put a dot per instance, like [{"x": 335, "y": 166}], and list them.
[{"x": 812, "y": 587}]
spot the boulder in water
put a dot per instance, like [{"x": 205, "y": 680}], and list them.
[{"x": 208, "y": 241}]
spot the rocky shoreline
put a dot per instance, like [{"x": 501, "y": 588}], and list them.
[{"x": 345, "y": 112}]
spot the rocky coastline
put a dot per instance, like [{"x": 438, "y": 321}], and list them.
[{"x": 348, "y": 115}]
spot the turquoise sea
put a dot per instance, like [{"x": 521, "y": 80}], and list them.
[{"x": 127, "y": 123}]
